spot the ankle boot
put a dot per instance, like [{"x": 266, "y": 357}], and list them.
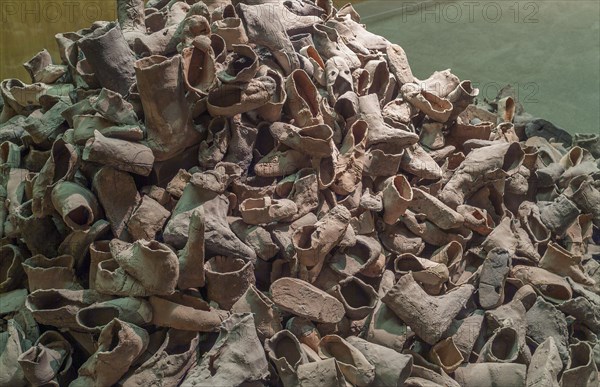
[
  {"x": 152, "y": 263},
  {"x": 329, "y": 44},
  {"x": 284, "y": 350},
  {"x": 358, "y": 298},
  {"x": 186, "y": 314},
  {"x": 173, "y": 355},
  {"x": 436, "y": 211},
  {"x": 353, "y": 364},
  {"x": 109, "y": 55},
  {"x": 221, "y": 272},
  {"x": 545, "y": 365},
  {"x": 408, "y": 301},
  {"x": 461, "y": 97},
  {"x": 271, "y": 111},
  {"x": 559, "y": 214},
  {"x": 267, "y": 317},
  {"x": 324, "y": 372},
  {"x": 380, "y": 134},
  {"x": 502, "y": 347},
  {"x": 113, "y": 279},
  {"x": 365, "y": 257},
  {"x": 338, "y": 78},
  {"x": 242, "y": 67},
  {"x": 49, "y": 361},
  {"x": 448, "y": 254},
  {"x": 587, "y": 198},
  {"x": 559, "y": 261},
  {"x": 495, "y": 161},
  {"x": 15, "y": 344},
  {"x": 581, "y": 369},
  {"x": 214, "y": 148},
  {"x": 303, "y": 99},
  {"x": 119, "y": 345},
  {"x": 50, "y": 273},
  {"x": 356, "y": 34},
  {"x": 291, "y": 295},
  {"x": 221, "y": 365},
  {"x": 164, "y": 137}
]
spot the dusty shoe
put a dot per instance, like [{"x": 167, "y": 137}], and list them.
[
  {"x": 437, "y": 212},
  {"x": 430, "y": 275},
  {"x": 49, "y": 361},
  {"x": 11, "y": 268},
  {"x": 429, "y": 322},
  {"x": 396, "y": 196},
  {"x": 418, "y": 162},
  {"x": 545, "y": 365},
  {"x": 502, "y": 347},
  {"x": 581, "y": 370},
  {"x": 314, "y": 141},
  {"x": 314, "y": 242},
  {"x": 284, "y": 350},
  {"x": 492, "y": 278},
  {"x": 281, "y": 163},
  {"x": 549, "y": 285},
  {"x": 191, "y": 257},
  {"x": 227, "y": 279},
  {"x": 365, "y": 257},
  {"x": 290, "y": 294},
  {"x": 50, "y": 273},
  {"x": 303, "y": 99},
  {"x": 119, "y": 345},
  {"x": 132, "y": 310},
  {"x": 545, "y": 320},
  {"x": 447, "y": 355},
  {"x": 559, "y": 214},
  {"x": 221, "y": 365},
  {"x": 490, "y": 374},
  {"x": 391, "y": 367},
  {"x": 353, "y": 364},
  {"x": 380, "y": 134},
  {"x": 267, "y": 319},
  {"x": 174, "y": 354},
  {"x": 266, "y": 210},
  {"x": 76, "y": 204},
  {"x": 431, "y": 104},
  {"x": 113, "y": 279},
  {"x": 123, "y": 155},
  {"x": 559, "y": 261},
  {"x": 358, "y": 298},
  {"x": 152, "y": 263},
  {"x": 305, "y": 331},
  {"x": 15, "y": 344},
  {"x": 461, "y": 97},
  {"x": 325, "y": 372},
  {"x": 186, "y": 313},
  {"x": 351, "y": 159}
]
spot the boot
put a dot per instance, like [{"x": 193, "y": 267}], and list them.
[
  {"x": 351, "y": 159},
  {"x": 461, "y": 97},
  {"x": 199, "y": 66},
  {"x": 380, "y": 134},
  {"x": 281, "y": 163},
  {"x": 353, "y": 364},
  {"x": 329, "y": 44},
  {"x": 397, "y": 195},
  {"x": 266, "y": 210},
  {"x": 292, "y": 294},
  {"x": 491, "y": 374},
  {"x": 559, "y": 214},
  {"x": 227, "y": 280},
  {"x": 495, "y": 161},
  {"x": 418, "y": 162},
  {"x": 430, "y": 275},
  {"x": 365, "y": 257},
  {"x": 502, "y": 347},
  {"x": 303, "y": 99},
  {"x": 447, "y": 355},
  {"x": 548, "y": 285},
  {"x": 221, "y": 365},
  {"x": 242, "y": 67},
  {"x": 231, "y": 99},
  {"x": 168, "y": 124},
  {"x": 113, "y": 279},
  {"x": 119, "y": 345},
  {"x": 49, "y": 361},
  {"x": 147, "y": 219},
  {"x": 436, "y": 211},
  {"x": 407, "y": 300},
  {"x": 191, "y": 257},
  {"x": 109, "y": 55},
  {"x": 325, "y": 372},
  {"x": 338, "y": 78},
  {"x": 385, "y": 328},
  {"x": 11, "y": 268},
  {"x": 398, "y": 63},
  {"x": 545, "y": 320},
  {"x": 152, "y": 263},
  {"x": 314, "y": 141},
  {"x": 271, "y": 111},
  {"x": 587, "y": 199},
  {"x": 435, "y": 107},
  {"x": 15, "y": 344}
]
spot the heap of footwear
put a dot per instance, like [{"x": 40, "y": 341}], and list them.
[{"x": 260, "y": 192}]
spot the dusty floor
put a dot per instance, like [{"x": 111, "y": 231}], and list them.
[{"x": 550, "y": 50}]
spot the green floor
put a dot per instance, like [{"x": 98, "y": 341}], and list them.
[{"x": 549, "y": 50}]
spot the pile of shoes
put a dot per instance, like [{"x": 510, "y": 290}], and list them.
[{"x": 260, "y": 192}]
